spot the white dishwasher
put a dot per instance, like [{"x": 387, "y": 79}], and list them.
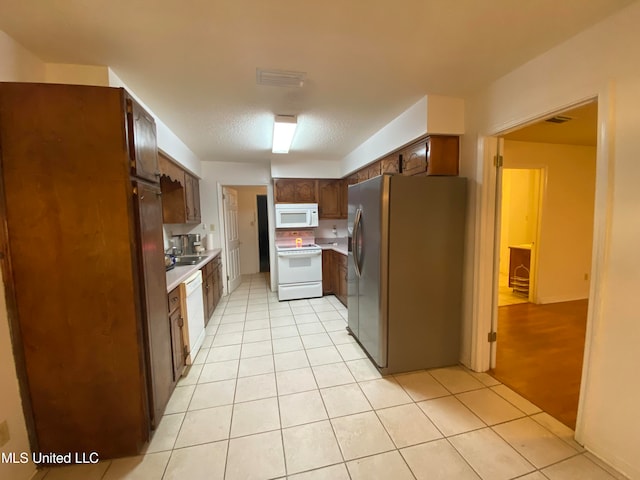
[{"x": 195, "y": 314}]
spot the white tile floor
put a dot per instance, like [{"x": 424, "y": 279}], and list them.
[{"x": 281, "y": 391}]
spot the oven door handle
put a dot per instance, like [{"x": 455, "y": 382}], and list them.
[{"x": 300, "y": 255}]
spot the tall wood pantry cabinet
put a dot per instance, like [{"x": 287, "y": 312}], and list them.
[{"x": 83, "y": 266}]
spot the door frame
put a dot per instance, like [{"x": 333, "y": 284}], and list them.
[
  {"x": 485, "y": 211},
  {"x": 271, "y": 225}
]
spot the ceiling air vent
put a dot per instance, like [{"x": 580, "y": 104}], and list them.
[
  {"x": 558, "y": 119},
  {"x": 280, "y": 78}
]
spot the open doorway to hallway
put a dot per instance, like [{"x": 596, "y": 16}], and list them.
[
  {"x": 244, "y": 221},
  {"x": 540, "y": 346}
]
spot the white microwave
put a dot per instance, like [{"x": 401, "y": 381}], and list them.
[{"x": 296, "y": 215}]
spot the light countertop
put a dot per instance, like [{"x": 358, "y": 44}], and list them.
[
  {"x": 179, "y": 274},
  {"x": 336, "y": 244}
]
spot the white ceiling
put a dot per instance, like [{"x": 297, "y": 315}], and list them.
[{"x": 194, "y": 61}]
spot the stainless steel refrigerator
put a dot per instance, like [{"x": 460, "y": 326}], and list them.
[{"x": 406, "y": 246}]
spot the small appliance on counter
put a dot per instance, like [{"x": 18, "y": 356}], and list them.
[{"x": 186, "y": 244}]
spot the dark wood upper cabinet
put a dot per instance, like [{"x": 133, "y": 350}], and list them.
[
  {"x": 330, "y": 198},
  {"x": 180, "y": 193},
  {"x": 305, "y": 191},
  {"x": 390, "y": 164},
  {"x": 193, "y": 192},
  {"x": 435, "y": 155},
  {"x": 142, "y": 142},
  {"x": 295, "y": 190}
]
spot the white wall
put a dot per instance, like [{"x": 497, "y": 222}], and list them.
[
  {"x": 601, "y": 61},
  {"x": 284, "y": 168},
  {"x": 566, "y": 226},
  {"x": 16, "y": 65},
  {"x": 77, "y": 74}
]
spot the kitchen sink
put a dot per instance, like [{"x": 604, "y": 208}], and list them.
[{"x": 188, "y": 260}]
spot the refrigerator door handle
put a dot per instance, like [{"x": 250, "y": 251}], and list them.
[{"x": 356, "y": 241}]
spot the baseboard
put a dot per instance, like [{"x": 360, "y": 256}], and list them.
[{"x": 561, "y": 298}]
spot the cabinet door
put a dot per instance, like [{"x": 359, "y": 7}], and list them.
[
  {"x": 152, "y": 274},
  {"x": 218, "y": 280},
  {"x": 188, "y": 196},
  {"x": 353, "y": 179},
  {"x": 342, "y": 278},
  {"x": 373, "y": 170},
  {"x": 442, "y": 155},
  {"x": 390, "y": 164},
  {"x": 327, "y": 273},
  {"x": 335, "y": 273},
  {"x": 344, "y": 198},
  {"x": 414, "y": 159},
  {"x": 195, "y": 194},
  {"x": 329, "y": 193},
  {"x": 143, "y": 148},
  {"x": 305, "y": 191},
  {"x": 211, "y": 289},
  {"x": 284, "y": 191},
  {"x": 176, "y": 323}
]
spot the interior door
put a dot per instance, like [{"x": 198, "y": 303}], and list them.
[{"x": 232, "y": 239}]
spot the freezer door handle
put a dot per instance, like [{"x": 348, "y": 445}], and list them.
[{"x": 356, "y": 242}]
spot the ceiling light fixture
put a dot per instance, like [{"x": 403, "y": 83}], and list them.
[{"x": 284, "y": 127}]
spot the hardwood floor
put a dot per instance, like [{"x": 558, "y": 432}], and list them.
[{"x": 539, "y": 354}]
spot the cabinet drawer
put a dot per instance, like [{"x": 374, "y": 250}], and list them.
[{"x": 174, "y": 299}]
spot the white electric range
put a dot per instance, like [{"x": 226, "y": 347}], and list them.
[{"x": 299, "y": 266}]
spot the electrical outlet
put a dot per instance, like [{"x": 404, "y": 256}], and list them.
[
  {"x": 4, "y": 433},
  {"x": 212, "y": 227}
]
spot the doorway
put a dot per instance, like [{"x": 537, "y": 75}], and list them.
[
  {"x": 263, "y": 233},
  {"x": 519, "y": 221},
  {"x": 246, "y": 232},
  {"x": 541, "y": 339}
]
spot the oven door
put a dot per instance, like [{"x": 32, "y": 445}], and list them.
[{"x": 299, "y": 267}]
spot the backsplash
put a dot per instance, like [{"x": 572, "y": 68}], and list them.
[
  {"x": 170, "y": 229},
  {"x": 325, "y": 229}
]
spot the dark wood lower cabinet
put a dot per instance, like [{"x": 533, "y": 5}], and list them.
[
  {"x": 211, "y": 287},
  {"x": 334, "y": 275},
  {"x": 176, "y": 324},
  {"x": 340, "y": 265}
]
